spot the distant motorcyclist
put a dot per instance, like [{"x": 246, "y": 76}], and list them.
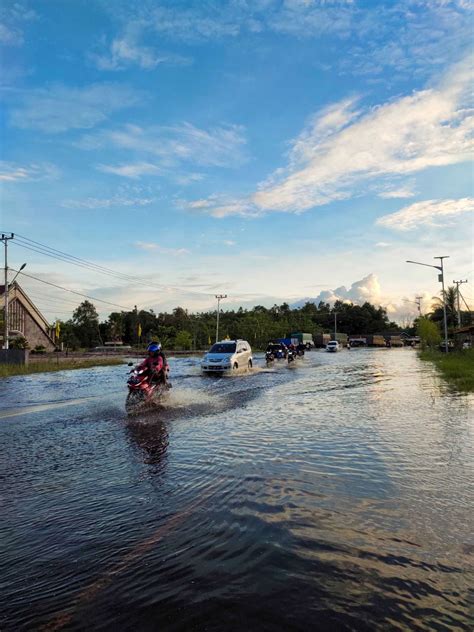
[
  {"x": 300, "y": 349},
  {"x": 291, "y": 352},
  {"x": 156, "y": 364}
]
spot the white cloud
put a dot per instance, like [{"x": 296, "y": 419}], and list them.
[
  {"x": 12, "y": 19},
  {"x": 342, "y": 149},
  {"x": 133, "y": 170},
  {"x": 11, "y": 172},
  {"x": 95, "y": 203},
  {"x": 125, "y": 51},
  {"x": 194, "y": 24},
  {"x": 367, "y": 289},
  {"x": 151, "y": 246},
  {"x": 164, "y": 148},
  {"x": 10, "y": 36},
  {"x": 58, "y": 108},
  {"x": 188, "y": 178},
  {"x": 428, "y": 212},
  {"x": 221, "y": 206},
  {"x": 382, "y": 244},
  {"x": 429, "y": 128},
  {"x": 402, "y": 192},
  {"x": 403, "y": 36}
]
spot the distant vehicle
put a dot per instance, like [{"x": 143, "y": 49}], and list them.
[
  {"x": 332, "y": 346},
  {"x": 357, "y": 342},
  {"x": 276, "y": 351},
  {"x": 299, "y": 337},
  {"x": 227, "y": 356}
]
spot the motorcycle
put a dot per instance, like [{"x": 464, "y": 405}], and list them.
[
  {"x": 291, "y": 356},
  {"x": 269, "y": 358},
  {"x": 143, "y": 391}
]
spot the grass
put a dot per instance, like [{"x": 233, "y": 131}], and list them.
[
  {"x": 457, "y": 367},
  {"x": 8, "y": 370}
]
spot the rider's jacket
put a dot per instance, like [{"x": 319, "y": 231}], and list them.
[{"x": 154, "y": 365}]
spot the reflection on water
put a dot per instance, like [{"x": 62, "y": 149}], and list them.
[{"x": 333, "y": 495}]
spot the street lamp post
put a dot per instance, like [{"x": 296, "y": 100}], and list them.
[
  {"x": 219, "y": 297},
  {"x": 441, "y": 280}
]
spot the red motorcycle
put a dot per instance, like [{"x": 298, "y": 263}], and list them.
[{"x": 143, "y": 390}]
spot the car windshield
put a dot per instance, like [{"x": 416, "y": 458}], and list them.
[{"x": 223, "y": 347}]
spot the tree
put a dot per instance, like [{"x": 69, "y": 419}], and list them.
[
  {"x": 428, "y": 332},
  {"x": 183, "y": 340},
  {"x": 115, "y": 326},
  {"x": 437, "y": 313},
  {"x": 86, "y": 324}
]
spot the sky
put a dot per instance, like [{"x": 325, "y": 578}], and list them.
[{"x": 270, "y": 150}]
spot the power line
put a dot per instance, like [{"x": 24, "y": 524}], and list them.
[
  {"x": 44, "y": 297},
  {"x": 48, "y": 251},
  {"x": 93, "y": 298}
]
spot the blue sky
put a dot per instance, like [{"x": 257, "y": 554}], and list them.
[{"x": 271, "y": 150}]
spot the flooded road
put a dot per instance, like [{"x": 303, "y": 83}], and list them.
[{"x": 336, "y": 494}]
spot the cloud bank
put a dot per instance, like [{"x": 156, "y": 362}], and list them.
[
  {"x": 344, "y": 147},
  {"x": 426, "y": 213}
]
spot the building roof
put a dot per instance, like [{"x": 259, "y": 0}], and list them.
[
  {"x": 467, "y": 329},
  {"x": 16, "y": 292}
]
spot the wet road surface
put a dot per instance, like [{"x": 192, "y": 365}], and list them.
[{"x": 336, "y": 494}]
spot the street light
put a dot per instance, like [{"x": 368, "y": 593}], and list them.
[
  {"x": 7, "y": 286},
  {"x": 441, "y": 280},
  {"x": 21, "y": 268},
  {"x": 219, "y": 297}
]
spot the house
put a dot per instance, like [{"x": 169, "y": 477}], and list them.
[
  {"x": 26, "y": 320},
  {"x": 464, "y": 337}
]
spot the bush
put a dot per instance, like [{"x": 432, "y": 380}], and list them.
[
  {"x": 40, "y": 349},
  {"x": 20, "y": 342},
  {"x": 428, "y": 332}
]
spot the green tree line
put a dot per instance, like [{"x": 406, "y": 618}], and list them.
[{"x": 180, "y": 329}]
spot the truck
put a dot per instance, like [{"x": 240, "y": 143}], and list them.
[
  {"x": 321, "y": 340},
  {"x": 298, "y": 337}
]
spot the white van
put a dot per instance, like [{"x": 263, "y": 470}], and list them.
[
  {"x": 227, "y": 356},
  {"x": 332, "y": 346}
]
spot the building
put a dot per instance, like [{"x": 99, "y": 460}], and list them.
[
  {"x": 26, "y": 320},
  {"x": 464, "y": 337}
]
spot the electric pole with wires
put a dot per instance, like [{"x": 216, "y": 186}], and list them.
[
  {"x": 5, "y": 238},
  {"x": 458, "y": 293}
]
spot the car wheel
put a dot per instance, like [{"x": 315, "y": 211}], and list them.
[
  {"x": 236, "y": 366},
  {"x": 249, "y": 364}
]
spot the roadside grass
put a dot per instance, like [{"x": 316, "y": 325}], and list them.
[
  {"x": 8, "y": 370},
  {"x": 457, "y": 367}
]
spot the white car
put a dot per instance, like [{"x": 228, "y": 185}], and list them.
[
  {"x": 333, "y": 345},
  {"x": 227, "y": 356}
]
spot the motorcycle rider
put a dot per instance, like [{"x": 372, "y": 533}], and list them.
[{"x": 156, "y": 364}]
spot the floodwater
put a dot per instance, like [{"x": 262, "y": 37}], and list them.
[{"x": 335, "y": 494}]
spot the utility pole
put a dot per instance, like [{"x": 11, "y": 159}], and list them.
[
  {"x": 418, "y": 300},
  {"x": 458, "y": 283},
  {"x": 441, "y": 279},
  {"x": 335, "y": 325},
  {"x": 5, "y": 239},
  {"x": 219, "y": 297}
]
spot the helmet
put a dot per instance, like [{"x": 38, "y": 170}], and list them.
[{"x": 154, "y": 348}]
